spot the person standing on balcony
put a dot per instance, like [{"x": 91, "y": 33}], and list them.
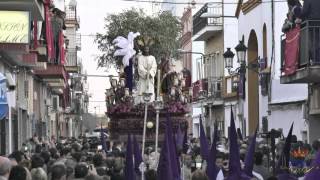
[
  {"x": 310, "y": 11},
  {"x": 57, "y": 27}
]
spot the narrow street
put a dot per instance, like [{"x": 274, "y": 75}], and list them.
[{"x": 159, "y": 90}]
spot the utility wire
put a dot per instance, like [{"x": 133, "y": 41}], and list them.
[{"x": 188, "y": 3}]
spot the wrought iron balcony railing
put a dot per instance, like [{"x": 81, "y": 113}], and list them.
[
  {"x": 71, "y": 16},
  {"x": 201, "y": 22},
  {"x": 305, "y": 66},
  {"x": 71, "y": 58}
]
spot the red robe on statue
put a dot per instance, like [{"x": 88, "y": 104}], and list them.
[
  {"x": 292, "y": 51},
  {"x": 49, "y": 36}
]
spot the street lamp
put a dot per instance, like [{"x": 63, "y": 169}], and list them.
[
  {"x": 241, "y": 51},
  {"x": 228, "y": 58}
]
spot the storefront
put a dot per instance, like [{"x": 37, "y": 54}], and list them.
[{"x": 3, "y": 112}]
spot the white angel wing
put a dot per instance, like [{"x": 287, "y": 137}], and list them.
[
  {"x": 126, "y": 58},
  {"x": 120, "y": 52},
  {"x": 136, "y": 34},
  {"x": 126, "y": 47},
  {"x": 121, "y": 42}
]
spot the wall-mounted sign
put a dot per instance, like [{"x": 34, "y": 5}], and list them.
[
  {"x": 3, "y": 97},
  {"x": 14, "y": 27}
]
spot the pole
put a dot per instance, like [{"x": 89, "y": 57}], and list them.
[
  {"x": 158, "y": 111},
  {"x": 157, "y": 130},
  {"x": 10, "y": 131},
  {"x": 210, "y": 119},
  {"x": 144, "y": 136},
  {"x": 203, "y": 118},
  {"x": 144, "y": 128}
]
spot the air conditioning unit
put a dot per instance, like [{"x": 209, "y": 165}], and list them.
[
  {"x": 47, "y": 102},
  {"x": 10, "y": 81}
]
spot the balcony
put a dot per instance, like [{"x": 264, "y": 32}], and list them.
[
  {"x": 205, "y": 27},
  {"x": 212, "y": 86},
  {"x": 71, "y": 17},
  {"x": 33, "y": 6},
  {"x": 197, "y": 87},
  {"x": 306, "y": 69},
  {"x": 215, "y": 87},
  {"x": 78, "y": 41},
  {"x": 55, "y": 75},
  {"x": 72, "y": 61}
]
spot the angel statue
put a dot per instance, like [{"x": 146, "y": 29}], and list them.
[{"x": 126, "y": 49}]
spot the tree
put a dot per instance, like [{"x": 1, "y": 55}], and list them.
[{"x": 164, "y": 29}]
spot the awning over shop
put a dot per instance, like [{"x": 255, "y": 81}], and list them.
[{"x": 3, "y": 97}]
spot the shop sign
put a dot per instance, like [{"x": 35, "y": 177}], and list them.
[{"x": 14, "y": 27}]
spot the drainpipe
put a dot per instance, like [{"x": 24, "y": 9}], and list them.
[{"x": 272, "y": 51}]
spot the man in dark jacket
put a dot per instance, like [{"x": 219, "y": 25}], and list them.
[{"x": 311, "y": 9}]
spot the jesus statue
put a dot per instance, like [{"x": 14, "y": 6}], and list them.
[{"x": 147, "y": 68}]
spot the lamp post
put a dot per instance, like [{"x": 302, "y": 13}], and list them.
[
  {"x": 146, "y": 99},
  {"x": 158, "y": 105},
  {"x": 241, "y": 51}
]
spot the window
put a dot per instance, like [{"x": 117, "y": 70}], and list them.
[
  {"x": 231, "y": 86},
  {"x": 26, "y": 89}
]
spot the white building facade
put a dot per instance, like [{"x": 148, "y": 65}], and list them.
[{"x": 267, "y": 103}]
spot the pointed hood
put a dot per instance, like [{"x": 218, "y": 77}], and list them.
[
  {"x": 239, "y": 134},
  {"x": 212, "y": 169},
  {"x": 314, "y": 173},
  {"x": 234, "y": 154},
  {"x": 204, "y": 146},
  {"x": 137, "y": 155},
  {"x": 285, "y": 155},
  {"x": 248, "y": 163},
  {"x": 129, "y": 168},
  {"x": 172, "y": 149},
  {"x": 164, "y": 170}
]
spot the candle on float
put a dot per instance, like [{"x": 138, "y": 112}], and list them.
[
  {"x": 173, "y": 91},
  {"x": 158, "y": 83},
  {"x": 126, "y": 91},
  {"x": 183, "y": 82}
]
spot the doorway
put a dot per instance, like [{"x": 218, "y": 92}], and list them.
[{"x": 253, "y": 84}]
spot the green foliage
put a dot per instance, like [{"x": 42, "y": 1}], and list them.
[{"x": 164, "y": 29}]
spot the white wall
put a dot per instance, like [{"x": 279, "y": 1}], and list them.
[
  {"x": 227, "y": 116},
  {"x": 255, "y": 20},
  {"x": 284, "y": 116},
  {"x": 59, "y": 4}
]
